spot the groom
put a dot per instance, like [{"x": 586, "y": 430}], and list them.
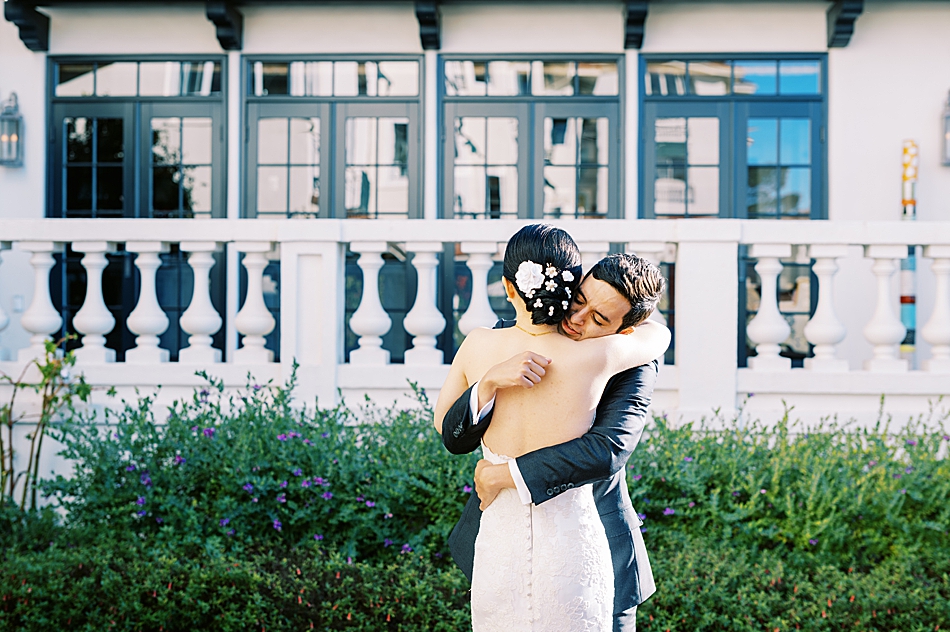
[{"x": 615, "y": 296}]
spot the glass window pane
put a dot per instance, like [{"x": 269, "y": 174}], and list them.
[
  {"x": 470, "y": 141},
  {"x": 75, "y": 80},
  {"x": 799, "y": 77},
  {"x": 305, "y": 190},
  {"x": 755, "y": 77},
  {"x": 552, "y": 78},
  {"x": 469, "y": 190},
  {"x": 196, "y": 190},
  {"x": 311, "y": 78},
  {"x": 393, "y": 141},
  {"x": 466, "y": 78},
  {"x": 160, "y": 79},
  {"x": 762, "y": 141},
  {"x": 392, "y": 190},
  {"x": 796, "y": 191},
  {"x": 702, "y": 146},
  {"x": 670, "y": 140},
  {"x": 703, "y": 192},
  {"x": 166, "y": 140},
  {"x": 79, "y": 188},
  {"x": 360, "y": 138},
  {"x": 669, "y": 191},
  {"x": 762, "y": 192},
  {"x": 305, "y": 141},
  {"x": 165, "y": 188},
  {"x": 592, "y": 191},
  {"x": 271, "y": 189},
  {"x": 709, "y": 78},
  {"x": 795, "y": 141},
  {"x": 508, "y": 78},
  {"x": 78, "y": 139},
  {"x": 116, "y": 79},
  {"x": 594, "y": 137},
  {"x": 502, "y": 191},
  {"x": 598, "y": 78},
  {"x": 346, "y": 78},
  {"x": 270, "y": 78},
  {"x": 109, "y": 146},
  {"x": 560, "y": 141},
  {"x": 272, "y": 141},
  {"x": 196, "y": 141},
  {"x": 360, "y": 191},
  {"x": 560, "y": 191},
  {"x": 368, "y": 75},
  {"x": 398, "y": 78},
  {"x": 502, "y": 141},
  {"x": 203, "y": 78},
  {"x": 665, "y": 78}
]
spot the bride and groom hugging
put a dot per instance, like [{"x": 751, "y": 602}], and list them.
[{"x": 552, "y": 542}]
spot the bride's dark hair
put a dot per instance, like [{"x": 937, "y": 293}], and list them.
[{"x": 555, "y": 252}]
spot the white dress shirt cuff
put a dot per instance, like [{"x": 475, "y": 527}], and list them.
[
  {"x": 523, "y": 493},
  {"x": 478, "y": 415}
]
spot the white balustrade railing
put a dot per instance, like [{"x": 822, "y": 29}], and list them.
[{"x": 854, "y": 324}]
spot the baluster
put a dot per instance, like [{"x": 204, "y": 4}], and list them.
[
  {"x": 370, "y": 321},
  {"x": 769, "y": 328},
  {"x": 254, "y": 320},
  {"x": 201, "y": 320},
  {"x": 591, "y": 253},
  {"x": 479, "y": 312},
  {"x": 652, "y": 251},
  {"x": 94, "y": 320},
  {"x": 147, "y": 320},
  {"x": 4, "y": 318},
  {"x": 40, "y": 319},
  {"x": 424, "y": 320},
  {"x": 885, "y": 330},
  {"x": 824, "y": 330},
  {"x": 937, "y": 329}
]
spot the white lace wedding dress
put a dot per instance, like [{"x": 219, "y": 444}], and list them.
[{"x": 543, "y": 568}]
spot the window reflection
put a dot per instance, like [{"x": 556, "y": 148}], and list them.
[
  {"x": 340, "y": 78},
  {"x": 94, "y": 170},
  {"x": 376, "y": 179},
  {"x": 75, "y": 80},
  {"x": 665, "y": 78},
  {"x": 575, "y": 174},
  {"x": 755, "y": 77},
  {"x": 486, "y": 173},
  {"x": 181, "y": 166},
  {"x": 799, "y": 77},
  {"x": 687, "y": 167},
  {"x": 709, "y": 78},
  {"x": 288, "y": 172}
]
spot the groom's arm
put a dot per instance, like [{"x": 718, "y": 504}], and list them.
[
  {"x": 463, "y": 425},
  {"x": 597, "y": 455}
]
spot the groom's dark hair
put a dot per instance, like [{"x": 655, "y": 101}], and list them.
[{"x": 636, "y": 279}]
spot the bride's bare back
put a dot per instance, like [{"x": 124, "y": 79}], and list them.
[{"x": 561, "y": 407}]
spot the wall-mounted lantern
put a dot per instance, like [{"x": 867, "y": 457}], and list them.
[
  {"x": 946, "y": 133},
  {"x": 11, "y": 133}
]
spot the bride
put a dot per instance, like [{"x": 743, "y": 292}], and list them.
[{"x": 543, "y": 567}]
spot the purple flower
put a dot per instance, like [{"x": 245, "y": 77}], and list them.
[
  {"x": 911, "y": 442},
  {"x": 194, "y": 428},
  {"x": 688, "y": 459},
  {"x": 129, "y": 468},
  {"x": 872, "y": 463},
  {"x": 293, "y": 435},
  {"x": 467, "y": 489},
  {"x": 277, "y": 524},
  {"x": 903, "y": 491},
  {"x": 642, "y": 516},
  {"x": 327, "y": 495},
  {"x": 204, "y": 392},
  {"x": 248, "y": 488},
  {"x": 897, "y": 476},
  {"x": 751, "y": 394},
  {"x": 908, "y": 469},
  {"x": 283, "y": 484},
  {"x": 669, "y": 511},
  {"x": 208, "y": 432},
  {"x": 318, "y": 536},
  {"x": 324, "y": 434},
  {"x": 140, "y": 501},
  {"x": 298, "y": 472},
  {"x": 388, "y": 516},
  {"x": 305, "y": 483},
  {"x": 145, "y": 480},
  {"x": 254, "y": 500},
  {"x": 159, "y": 520},
  {"x": 223, "y": 522},
  {"x": 179, "y": 459},
  {"x": 691, "y": 504},
  {"x": 141, "y": 513},
  {"x": 318, "y": 480},
  {"x": 281, "y": 437},
  {"x": 256, "y": 387},
  {"x": 349, "y": 560},
  {"x": 307, "y": 442},
  {"x": 761, "y": 491},
  {"x": 281, "y": 498},
  {"x": 335, "y": 461},
  {"x": 643, "y": 529},
  {"x": 637, "y": 477},
  {"x": 406, "y": 549},
  {"x": 230, "y": 532},
  {"x": 370, "y": 503},
  {"x": 735, "y": 493},
  {"x": 946, "y": 437},
  {"x": 359, "y": 498},
  {"x": 813, "y": 542},
  {"x": 387, "y": 542}
]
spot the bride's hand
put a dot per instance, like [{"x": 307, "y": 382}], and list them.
[{"x": 490, "y": 479}]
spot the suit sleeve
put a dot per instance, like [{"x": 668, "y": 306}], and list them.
[{"x": 604, "y": 450}]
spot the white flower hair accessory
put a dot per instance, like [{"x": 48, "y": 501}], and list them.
[
  {"x": 568, "y": 290},
  {"x": 567, "y": 276},
  {"x": 538, "y": 303},
  {"x": 551, "y": 310},
  {"x": 550, "y": 286},
  {"x": 551, "y": 271},
  {"x": 564, "y": 305},
  {"x": 529, "y": 277}
]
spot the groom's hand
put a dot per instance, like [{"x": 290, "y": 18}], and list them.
[
  {"x": 490, "y": 479},
  {"x": 525, "y": 369}
]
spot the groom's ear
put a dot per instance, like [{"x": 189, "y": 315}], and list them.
[{"x": 626, "y": 330}]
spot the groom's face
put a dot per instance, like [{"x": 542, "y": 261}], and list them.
[{"x": 597, "y": 310}]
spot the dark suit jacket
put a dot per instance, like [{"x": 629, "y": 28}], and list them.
[{"x": 598, "y": 457}]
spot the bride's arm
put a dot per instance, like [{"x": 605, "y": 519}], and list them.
[
  {"x": 647, "y": 342},
  {"x": 456, "y": 382}
]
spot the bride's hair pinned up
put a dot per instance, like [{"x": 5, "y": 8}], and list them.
[{"x": 544, "y": 264}]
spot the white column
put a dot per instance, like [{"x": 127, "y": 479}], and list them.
[
  {"x": 370, "y": 321},
  {"x": 200, "y": 320},
  {"x": 769, "y": 328},
  {"x": 94, "y": 320},
  {"x": 937, "y": 329},
  {"x": 479, "y": 312},
  {"x": 254, "y": 321},
  {"x": 592, "y": 252},
  {"x": 652, "y": 251},
  {"x": 824, "y": 330},
  {"x": 40, "y": 319},
  {"x": 431, "y": 136},
  {"x": 147, "y": 320},
  {"x": 424, "y": 320},
  {"x": 885, "y": 330},
  {"x": 4, "y": 319}
]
